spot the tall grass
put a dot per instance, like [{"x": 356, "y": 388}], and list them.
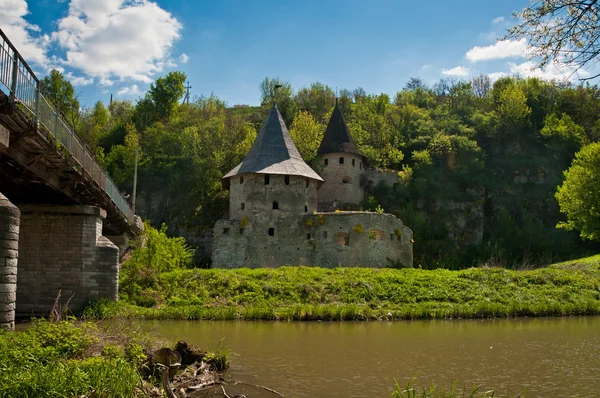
[
  {"x": 433, "y": 391},
  {"x": 309, "y": 293}
]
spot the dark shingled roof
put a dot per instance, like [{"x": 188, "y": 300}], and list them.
[
  {"x": 337, "y": 136},
  {"x": 273, "y": 152}
]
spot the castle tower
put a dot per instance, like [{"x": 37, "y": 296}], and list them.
[
  {"x": 341, "y": 165},
  {"x": 273, "y": 179}
]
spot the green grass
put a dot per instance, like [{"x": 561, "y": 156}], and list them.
[{"x": 307, "y": 293}]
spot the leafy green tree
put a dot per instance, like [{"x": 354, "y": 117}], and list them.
[
  {"x": 94, "y": 123},
  {"x": 579, "y": 196},
  {"x": 318, "y": 99},
  {"x": 275, "y": 90},
  {"x": 307, "y": 135},
  {"x": 62, "y": 94}
]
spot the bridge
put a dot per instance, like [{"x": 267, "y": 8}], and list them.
[{"x": 62, "y": 219}]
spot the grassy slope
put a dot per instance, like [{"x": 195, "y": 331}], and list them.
[{"x": 305, "y": 293}]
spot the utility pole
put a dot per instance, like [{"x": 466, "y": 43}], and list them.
[
  {"x": 186, "y": 99},
  {"x": 135, "y": 178}
]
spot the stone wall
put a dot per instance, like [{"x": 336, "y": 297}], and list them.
[
  {"x": 359, "y": 239},
  {"x": 248, "y": 195},
  {"x": 342, "y": 180},
  {"x": 373, "y": 177},
  {"x": 62, "y": 249},
  {"x": 9, "y": 245}
]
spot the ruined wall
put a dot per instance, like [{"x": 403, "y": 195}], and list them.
[
  {"x": 62, "y": 249},
  {"x": 9, "y": 245},
  {"x": 342, "y": 180},
  {"x": 248, "y": 195},
  {"x": 373, "y": 177},
  {"x": 324, "y": 239}
]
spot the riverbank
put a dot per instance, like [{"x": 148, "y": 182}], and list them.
[
  {"x": 307, "y": 293},
  {"x": 81, "y": 359}
]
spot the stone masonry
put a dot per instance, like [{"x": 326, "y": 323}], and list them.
[
  {"x": 281, "y": 212},
  {"x": 9, "y": 246},
  {"x": 62, "y": 250}
]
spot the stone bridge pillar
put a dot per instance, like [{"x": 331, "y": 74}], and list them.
[
  {"x": 62, "y": 250},
  {"x": 9, "y": 245}
]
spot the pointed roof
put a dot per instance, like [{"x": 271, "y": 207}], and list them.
[
  {"x": 337, "y": 137},
  {"x": 273, "y": 152}
]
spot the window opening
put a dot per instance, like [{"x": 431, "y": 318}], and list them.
[
  {"x": 342, "y": 160},
  {"x": 353, "y": 162},
  {"x": 287, "y": 180},
  {"x": 241, "y": 231},
  {"x": 326, "y": 162},
  {"x": 243, "y": 206},
  {"x": 275, "y": 205},
  {"x": 360, "y": 164},
  {"x": 305, "y": 208},
  {"x": 307, "y": 183},
  {"x": 308, "y": 236},
  {"x": 324, "y": 234},
  {"x": 267, "y": 179},
  {"x": 347, "y": 180},
  {"x": 225, "y": 231},
  {"x": 241, "y": 180},
  {"x": 271, "y": 231}
]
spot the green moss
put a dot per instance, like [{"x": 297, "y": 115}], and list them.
[{"x": 358, "y": 228}]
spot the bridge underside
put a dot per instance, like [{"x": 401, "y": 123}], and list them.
[{"x": 34, "y": 170}]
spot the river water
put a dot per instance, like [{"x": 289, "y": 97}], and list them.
[{"x": 550, "y": 357}]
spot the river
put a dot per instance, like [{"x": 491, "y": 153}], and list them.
[{"x": 550, "y": 357}]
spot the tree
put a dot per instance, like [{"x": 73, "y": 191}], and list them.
[
  {"x": 563, "y": 31},
  {"x": 307, "y": 135},
  {"x": 278, "y": 91},
  {"x": 166, "y": 92},
  {"x": 481, "y": 85},
  {"x": 318, "y": 99},
  {"x": 415, "y": 83},
  {"x": 579, "y": 197},
  {"x": 62, "y": 94}
]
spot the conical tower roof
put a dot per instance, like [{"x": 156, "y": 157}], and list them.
[
  {"x": 337, "y": 137},
  {"x": 273, "y": 152}
]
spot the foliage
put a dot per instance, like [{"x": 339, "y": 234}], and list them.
[
  {"x": 579, "y": 197},
  {"x": 53, "y": 360},
  {"x": 478, "y": 163},
  {"x": 156, "y": 254},
  {"x": 61, "y": 92},
  {"x": 560, "y": 31},
  {"x": 412, "y": 391}
]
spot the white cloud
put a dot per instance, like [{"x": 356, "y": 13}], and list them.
[
  {"x": 497, "y": 75},
  {"x": 183, "y": 58},
  {"x": 117, "y": 39},
  {"x": 555, "y": 71},
  {"x": 456, "y": 71},
  {"x": 21, "y": 33},
  {"x": 79, "y": 80},
  {"x": 498, "y": 20},
  {"x": 131, "y": 91},
  {"x": 499, "y": 50}
]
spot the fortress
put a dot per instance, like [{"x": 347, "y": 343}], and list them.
[{"x": 282, "y": 212}]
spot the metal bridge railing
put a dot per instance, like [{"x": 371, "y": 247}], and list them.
[{"x": 25, "y": 91}]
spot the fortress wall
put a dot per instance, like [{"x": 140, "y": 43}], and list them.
[{"x": 323, "y": 239}]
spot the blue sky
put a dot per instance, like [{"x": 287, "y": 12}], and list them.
[{"x": 228, "y": 47}]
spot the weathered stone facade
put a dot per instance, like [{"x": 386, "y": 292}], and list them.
[
  {"x": 274, "y": 202},
  {"x": 62, "y": 249},
  {"x": 352, "y": 239},
  {"x": 342, "y": 174},
  {"x": 9, "y": 250}
]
